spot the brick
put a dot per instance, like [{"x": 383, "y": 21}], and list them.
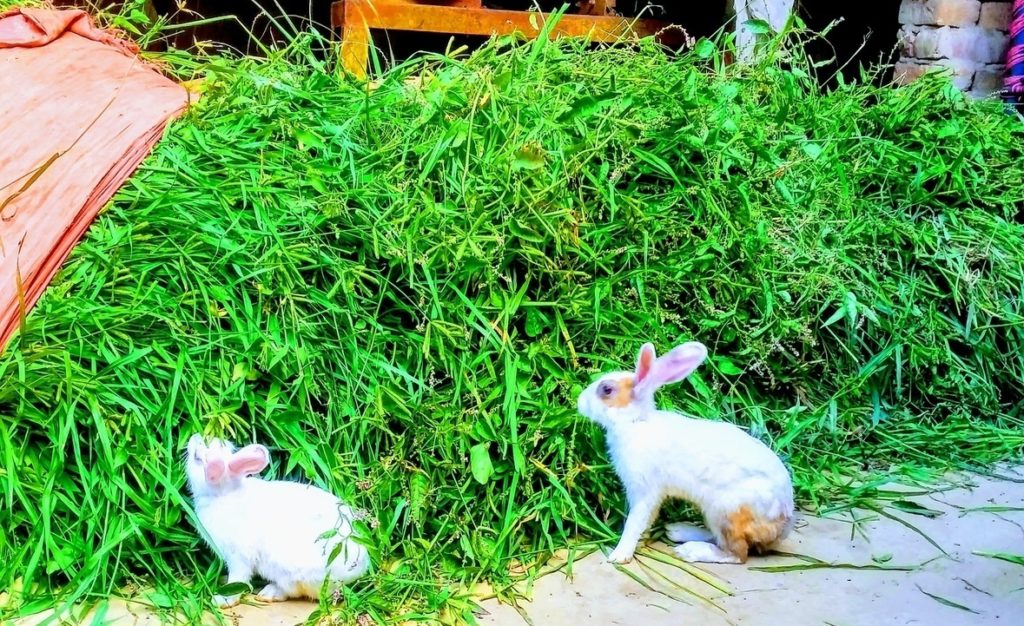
[
  {"x": 980, "y": 45},
  {"x": 907, "y": 72},
  {"x": 988, "y": 79},
  {"x": 960, "y": 73},
  {"x": 996, "y": 15},
  {"x": 907, "y": 40},
  {"x": 940, "y": 12},
  {"x": 906, "y": 35}
]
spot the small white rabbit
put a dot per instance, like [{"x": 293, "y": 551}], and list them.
[
  {"x": 742, "y": 488},
  {"x": 283, "y": 532}
]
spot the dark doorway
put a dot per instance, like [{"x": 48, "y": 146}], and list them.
[
  {"x": 261, "y": 21},
  {"x": 248, "y": 23},
  {"x": 865, "y": 38}
]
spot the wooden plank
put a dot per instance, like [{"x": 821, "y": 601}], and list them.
[
  {"x": 355, "y": 18},
  {"x": 485, "y": 22},
  {"x": 471, "y": 4},
  {"x": 355, "y": 36}
]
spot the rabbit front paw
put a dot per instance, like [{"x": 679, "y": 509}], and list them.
[
  {"x": 704, "y": 552},
  {"x": 272, "y": 593},
  {"x": 226, "y": 602},
  {"x": 620, "y": 555}
]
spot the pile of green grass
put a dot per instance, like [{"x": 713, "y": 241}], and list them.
[{"x": 402, "y": 291}]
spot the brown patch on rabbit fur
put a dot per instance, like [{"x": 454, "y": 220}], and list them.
[
  {"x": 623, "y": 394},
  {"x": 745, "y": 532}
]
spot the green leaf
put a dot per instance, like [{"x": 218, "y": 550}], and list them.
[
  {"x": 419, "y": 487},
  {"x": 480, "y": 462},
  {"x": 704, "y": 48},
  {"x": 529, "y": 158},
  {"x": 587, "y": 106},
  {"x": 521, "y": 230},
  {"x": 163, "y": 601},
  {"x": 317, "y": 183},
  {"x": 233, "y": 589},
  {"x": 783, "y": 189},
  {"x": 727, "y": 367},
  {"x": 800, "y": 567},
  {"x": 838, "y": 315},
  {"x": 945, "y": 601},
  {"x": 1016, "y": 559},
  {"x": 309, "y": 140},
  {"x": 758, "y": 27},
  {"x": 503, "y": 79},
  {"x": 536, "y": 322},
  {"x": 812, "y": 150},
  {"x": 914, "y": 508}
]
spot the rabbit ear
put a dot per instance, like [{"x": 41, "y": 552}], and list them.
[
  {"x": 645, "y": 360},
  {"x": 249, "y": 460},
  {"x": 674, "y": 366},
  {"x": 214, "y": 470}
]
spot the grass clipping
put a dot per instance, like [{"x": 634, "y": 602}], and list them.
[{"x": 402, "y": 292}]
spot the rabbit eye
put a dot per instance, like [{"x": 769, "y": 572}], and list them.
[{"x": 606, "y": 390}]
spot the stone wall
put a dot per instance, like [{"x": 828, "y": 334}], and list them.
[{"x": 967, "y": 38}]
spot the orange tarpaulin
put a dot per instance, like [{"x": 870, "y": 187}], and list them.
[{"x": 78, "y": 113}]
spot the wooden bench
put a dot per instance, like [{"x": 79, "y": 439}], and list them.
[{"x": 356, "y": 18}]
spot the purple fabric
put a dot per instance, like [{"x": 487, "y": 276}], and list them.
[{"x": 1014, "y": 80}]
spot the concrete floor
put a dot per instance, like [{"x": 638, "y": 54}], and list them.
[
  {"x": 994, "y": 589},
  {"x": 989, "y": 591}
]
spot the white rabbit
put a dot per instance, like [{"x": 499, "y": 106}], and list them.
[
  {"x": 742, "y": 488},
  {"x": 283, "y": 532}
]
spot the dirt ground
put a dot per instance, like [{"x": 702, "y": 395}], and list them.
[{"x": 963, "y": 588}]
